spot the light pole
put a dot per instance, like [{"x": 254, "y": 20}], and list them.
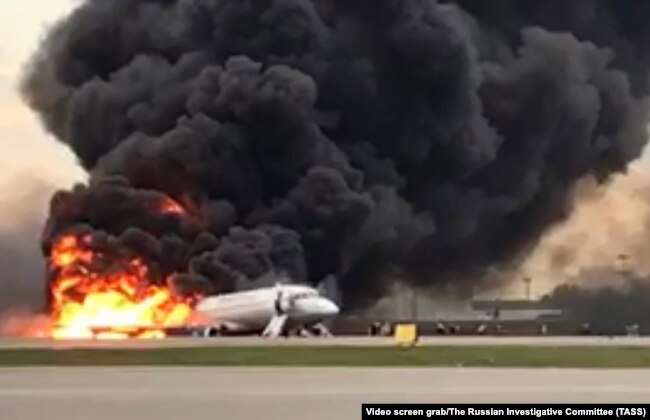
[{"x": 527, "y": 284}]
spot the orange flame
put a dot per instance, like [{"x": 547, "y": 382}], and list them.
[
  {"x": 169, "y": 206},
  {"x": 88, "y": 302}
]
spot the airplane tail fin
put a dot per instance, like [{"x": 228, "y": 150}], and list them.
[{"x": 329, "y": 287}]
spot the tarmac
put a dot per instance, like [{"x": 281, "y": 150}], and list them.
[
  {"x": 292, "y": 393},
  {"x": 358, "y": 341}
]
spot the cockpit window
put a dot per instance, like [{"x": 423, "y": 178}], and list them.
[{"x": 304, "y": 295}]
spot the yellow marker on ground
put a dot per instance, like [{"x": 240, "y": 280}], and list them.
[{"x": 406, "y": 334}]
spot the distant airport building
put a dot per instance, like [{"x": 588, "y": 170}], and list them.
[
  {"x": 409, "y": 304},
  {"x": 516, "y": 310},
  {"x": 437, "y": 315}
]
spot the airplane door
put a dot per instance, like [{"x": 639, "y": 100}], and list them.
[{"x": 283, "y": 304}]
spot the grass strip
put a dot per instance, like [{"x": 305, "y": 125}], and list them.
[{"x": 474, "y": 356}]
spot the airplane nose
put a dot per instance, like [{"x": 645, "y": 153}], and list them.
[
  {"x": 317, "y": 308},
  {"x": 329, "y": 308}
]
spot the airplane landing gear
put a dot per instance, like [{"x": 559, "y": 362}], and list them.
[
  {"x": 211, "y": 332},
  {"x": 208, "y": 332},
  {"x": 320, "y": 330}
]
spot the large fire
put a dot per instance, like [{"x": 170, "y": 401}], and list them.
[{"x": 91, "y": 298}]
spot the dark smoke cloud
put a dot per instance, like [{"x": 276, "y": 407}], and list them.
[{"x": 364, "y": 139}]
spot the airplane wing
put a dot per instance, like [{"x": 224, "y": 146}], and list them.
[{"x": 275, "y": 326}]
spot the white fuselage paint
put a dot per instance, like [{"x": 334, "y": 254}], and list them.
[{"x": 251, "y": 311}]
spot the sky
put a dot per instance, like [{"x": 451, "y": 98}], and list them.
[
  {"x": 30, "y": 158},
  {"x": 32, "y": 163}
]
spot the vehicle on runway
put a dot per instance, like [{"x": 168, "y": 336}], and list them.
[{"x": 270, "y": 311}]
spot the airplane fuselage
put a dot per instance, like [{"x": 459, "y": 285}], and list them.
[{"x": 252, "y": 311}]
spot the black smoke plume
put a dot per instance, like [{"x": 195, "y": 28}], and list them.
[{"x": 364, "y": 139}]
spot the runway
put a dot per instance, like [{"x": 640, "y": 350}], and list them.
[
  {"x": 291, "y": 393},
  {"x": 359, "y": 341}
]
